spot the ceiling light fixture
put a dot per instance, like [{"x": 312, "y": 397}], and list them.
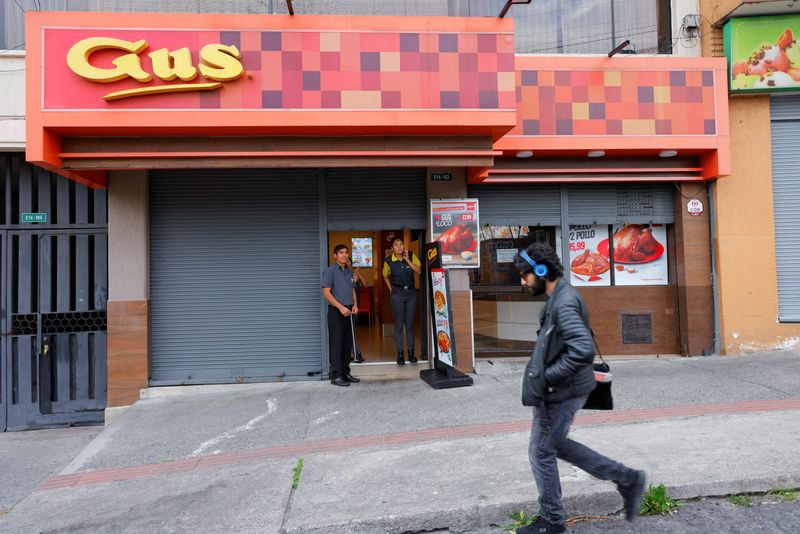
[
  {"x": 524, "y": 153},
  {"x": 668, "y": 153},
  {"x": 596, "y": 153}
]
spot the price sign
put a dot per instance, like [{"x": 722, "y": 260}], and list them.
[
  {"x": 454, "y": 224},
  {"x": 588, "y": 255}
]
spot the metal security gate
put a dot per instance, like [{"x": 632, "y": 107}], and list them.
[
  {"x": 375, "y": 199},
  {"x": 235, "y": 262},
  {"x": 518, "y": 204},
  {"x": 785, "y": 112},
  {"x": 541, "y": 204},
  {"x": 54, "y": 296}
]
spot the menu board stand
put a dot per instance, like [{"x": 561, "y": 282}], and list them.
[{"x": 444, "y": 375}]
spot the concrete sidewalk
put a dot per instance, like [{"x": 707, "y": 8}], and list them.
[{"x": 400, "y": 457}]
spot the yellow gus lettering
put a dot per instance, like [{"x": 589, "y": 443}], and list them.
[
  {"x": 124, "y": 66},
  {"x": 218, "y": 63},
  {"x": 170, "y": 65}
]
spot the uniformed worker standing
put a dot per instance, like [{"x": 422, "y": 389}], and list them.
[
  {"x": 398, "y": 273},
  {"x": 338, "y": 290}
]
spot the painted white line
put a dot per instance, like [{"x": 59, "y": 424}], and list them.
[
  {"x": 324, "y": 418},
  {"x": 272, "y": 406}
]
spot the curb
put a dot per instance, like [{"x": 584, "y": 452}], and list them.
[{"x": 495, "y": 515}]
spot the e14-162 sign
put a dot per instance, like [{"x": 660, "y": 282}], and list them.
[{"x": 33, "y": 218}]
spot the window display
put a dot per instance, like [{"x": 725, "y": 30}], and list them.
[
  {"x": 361, "y": 251},
  {"x": 498, "y": 246}
]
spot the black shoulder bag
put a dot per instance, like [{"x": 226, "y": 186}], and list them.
[{"x": 600, "y": 398}]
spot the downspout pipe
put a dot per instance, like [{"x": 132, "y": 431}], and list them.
[{"x": 712, "y": 216}]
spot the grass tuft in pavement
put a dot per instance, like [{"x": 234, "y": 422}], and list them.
[
  {"x": 784, "y": 494},
  {"x": 519, "y": 520},
  {"x": 742, "y": 500},
  {"x": 655, "y": 501},
  {"x": 296, "y": 473}
]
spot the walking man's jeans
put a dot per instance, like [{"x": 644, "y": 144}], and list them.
[
  {"x": 341, "y": 342},
  {"x": 549, "y": 441},
  {"x": 404, "y": 306}
]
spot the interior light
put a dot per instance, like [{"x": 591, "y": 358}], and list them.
[
  {"x": 668, "y": 153},
  {"x": 596, "y": 153},
  {"x": 524, "y": 153}
]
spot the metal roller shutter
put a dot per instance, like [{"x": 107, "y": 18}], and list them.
[
  {"x": 518, "y": 204},
  {"x": 618, "y": 203},
  {"x": 526, "y": 204},
  {"x": 785, "y": 113},
  {"x": 371, "y": 199},
  {"x": 234, "y": 275}
]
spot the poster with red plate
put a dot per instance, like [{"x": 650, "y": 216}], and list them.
[
  {"x": 640, "y": 255},
  {"x": 454, "y": 224},
  {"x": 588, "y": 265}
]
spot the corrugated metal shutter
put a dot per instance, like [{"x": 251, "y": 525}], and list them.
[
  {"x": 785, "y": 113},
  {"x": 620, "y": 203},
  {"x": 368, "y": 199},
  {"x": 234, "y": 275},
  {"x": 527, "y": 204},
  {"x": 518, "y": 204}
]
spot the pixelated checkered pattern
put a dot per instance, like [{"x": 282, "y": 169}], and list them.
[
  {"x": 615, "y": 102},
  {"x": 373, "y": 70}
]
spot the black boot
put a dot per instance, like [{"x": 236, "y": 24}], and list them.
[
  {"x": 411, "y": 358},
  {"x": 632, "y": 494},
  {"x": 400, "y": 360},
  {"x": 359, "y": 358}
]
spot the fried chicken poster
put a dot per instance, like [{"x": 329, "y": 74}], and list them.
[
  {"x": 587, "y": 265},
  {"x": 454, "y": 223},
  {"x": 640, "y": 255}
]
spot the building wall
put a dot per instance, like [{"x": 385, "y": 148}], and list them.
[
  {"x": 128, "y": 304},
  {"x": 12, "y": 104},
  {"x": 745, "y": 228},
  {"x": 744, "y": 223},
  {"x": 684, "y": 42}
]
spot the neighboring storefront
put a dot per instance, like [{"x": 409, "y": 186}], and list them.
[
  {"x": 757, "y": 207},
  {"x": 606, "y": 154},
  {"x": 230, "y": 155}
]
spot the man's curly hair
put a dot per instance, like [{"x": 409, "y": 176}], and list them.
[{"x": 544, "y": 254}]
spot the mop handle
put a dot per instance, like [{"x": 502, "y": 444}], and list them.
[{"x": 353, "y": 333}]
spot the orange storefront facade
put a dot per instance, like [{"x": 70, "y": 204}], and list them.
[{"x": 237, "y": 149}]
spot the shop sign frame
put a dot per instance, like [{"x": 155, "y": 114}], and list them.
[
  {"x": 750, "y": 41},
  {"x": 446, "y": 216}
]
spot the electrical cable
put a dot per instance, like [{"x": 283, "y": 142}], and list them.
[{"x": 702, "y": 187}]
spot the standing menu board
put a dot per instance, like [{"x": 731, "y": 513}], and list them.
[
  {"x": 443, "y": 333},
  {"x": 443, "y": 375}
]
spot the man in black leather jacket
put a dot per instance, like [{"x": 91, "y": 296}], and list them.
[{"x": 557, "y": 381}]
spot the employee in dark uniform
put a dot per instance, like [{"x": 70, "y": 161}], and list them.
[
  {"x": 398, "y": 273},
  {"x": 337, "y": 288}
]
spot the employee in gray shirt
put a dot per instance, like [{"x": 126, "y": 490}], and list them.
[{"x": 338, "y": 290}]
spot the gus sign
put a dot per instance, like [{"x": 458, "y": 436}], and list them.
[
  {"x": 118, "y": 69},
  {"x": 218, "y": 63}
]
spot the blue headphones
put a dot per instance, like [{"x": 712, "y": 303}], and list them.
[{"x": 539, "y": 269}]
